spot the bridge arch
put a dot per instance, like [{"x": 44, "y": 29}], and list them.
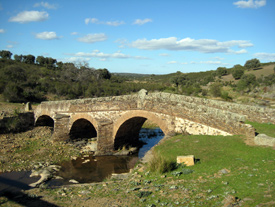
[
  {"x": 127, "y": 127},
  {"x": 44, "y": 120},
  {"x": 82, "y": 126}
]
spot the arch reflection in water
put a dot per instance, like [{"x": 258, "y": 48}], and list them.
[{"x": 95, "y": 169}]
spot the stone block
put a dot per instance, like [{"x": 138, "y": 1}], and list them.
[{"x": 188, "y": 160}]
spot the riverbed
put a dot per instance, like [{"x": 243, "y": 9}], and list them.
[{"x": 86, "y": 168}]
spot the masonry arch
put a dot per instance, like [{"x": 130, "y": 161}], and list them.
[
  {"x": 127, "y": 127},
  {"x": 82, "y": 126},
  {"x": 44, "y": 120}
]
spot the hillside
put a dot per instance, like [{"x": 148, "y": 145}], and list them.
[{"x": 30, "y": 79}]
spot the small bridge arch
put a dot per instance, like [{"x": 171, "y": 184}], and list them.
[
  {"x": 44, "y": 120},
  {"x": 82, "y": 126}
]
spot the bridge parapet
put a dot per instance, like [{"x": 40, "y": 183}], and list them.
[{"x": 174, "y": 113}]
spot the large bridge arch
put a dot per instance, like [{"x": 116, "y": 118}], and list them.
[
  {"x": 82, "y": 126},
  {"x": 126, "y": 128}
]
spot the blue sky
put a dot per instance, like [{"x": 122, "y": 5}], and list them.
[{"x": 141, "y": 36}]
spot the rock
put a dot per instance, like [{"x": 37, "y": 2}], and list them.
[
  {"x": 224, "y": 171},
  {"x": 121, "y": 176},
  {"x": 28, "y": 107},
  {"x": 187, "y": 160},
  {"x": 263, "y": 139},
  {"x": 73, "y": 181},
  {"x": 229, "y": 201},
  {"x": 45, "y": 173}
]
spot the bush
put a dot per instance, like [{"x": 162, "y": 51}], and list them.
[
  {"x": 215, "y": 89},
  {"x": 221, "y": 71},
  {"x": 160, "y": 165},
  {"x": 237, "y": 71}
]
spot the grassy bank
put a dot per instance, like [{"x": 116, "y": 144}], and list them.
[
  {"x": 263, "y": 128},
  {"x": 226, "y": 166}
]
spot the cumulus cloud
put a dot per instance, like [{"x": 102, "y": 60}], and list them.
[
  {"x": 250, "y": 4},
  {"x": 30, "y": 16},
  {"x": 45, "y": 5},
  {"x": 96, "y": 21},
  {"x": 46, "y": 36},
  {"x": 2, "y": 31},
  {"x": 265, "y": 56},
  {"x": 188, "y": 44},
  {"x": 92, "y": 38},
  {"x": 142, "y": 21},
  {"x": 104, "y": 56}
]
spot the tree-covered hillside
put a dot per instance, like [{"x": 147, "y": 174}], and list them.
[{"x": 26, "y": 78}]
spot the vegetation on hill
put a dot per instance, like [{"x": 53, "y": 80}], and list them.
[{"x": 27, "y": 78}]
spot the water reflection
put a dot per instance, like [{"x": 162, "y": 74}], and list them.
[{"x": 95, "y": 169}]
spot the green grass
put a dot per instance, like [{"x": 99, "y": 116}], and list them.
[
  {"x": 251, "y": 169},
  {"x": 263, "y": 128}
]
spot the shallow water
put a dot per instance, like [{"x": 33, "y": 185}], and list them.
[{"x": 86, "y": 169}]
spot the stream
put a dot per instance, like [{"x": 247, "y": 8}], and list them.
[{"x": 86, "y": 168}]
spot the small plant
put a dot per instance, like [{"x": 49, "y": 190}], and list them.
[{"x": 160, "y": 165}]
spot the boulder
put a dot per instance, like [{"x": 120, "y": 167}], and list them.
[
  {"x": 263, "y": 139},
  {"x": 188, "y": 160}
]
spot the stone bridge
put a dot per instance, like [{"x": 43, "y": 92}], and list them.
[{"x": 116, "y": 121}]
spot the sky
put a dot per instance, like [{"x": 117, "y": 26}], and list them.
[{"x": 141, "y": 36}]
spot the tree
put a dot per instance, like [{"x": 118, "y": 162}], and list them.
[
  {"x": 237, "y": 71},
  {"x": 18, "y": 58},
  {"x": 5, "y": 54},
  {"x": 247, "y": 81},
  {"x": 221, "y": 71},
  {"x": 215, "y": 89},
  {"x": 253, "y": 63},
  {"x": 104, "y": 73},
  {"x": 41, "y": 60},
  {"x": 29, "y": 59}
]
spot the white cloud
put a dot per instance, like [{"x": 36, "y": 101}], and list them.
[
  {"x": 239, "y": 51},
  {"x": 9, "y": 46},
  {"x": 188, "y": 44},
  {"x": 250, "y": 3},
  {"x": 265, "y": 56},
  {"x": 45, "y": 5},
  {"x": 75, "y": 59},
  {"x": 74, "y": 33},
  {"x": 46, "y": 36},
  {"x": 96, "y": 21},
  {"x": 92, "y": 38},
  {"x": 209, "y": 62},
  {"x": 2, "y": 31},
  {"x": 164, "y": 55},
  {"x": 30, "y": 16},
  {"x": 104, "y": 56},
  {"x": 142, "y": 21},
  {"x": 172, "y": 62}
]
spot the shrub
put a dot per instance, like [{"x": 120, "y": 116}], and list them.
[
  {"x": 253, "y": 63},
  {"x": 215, "y": 89},
  {"x": 237, "y": 71},
  {"x": 160, "y": 165}
]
